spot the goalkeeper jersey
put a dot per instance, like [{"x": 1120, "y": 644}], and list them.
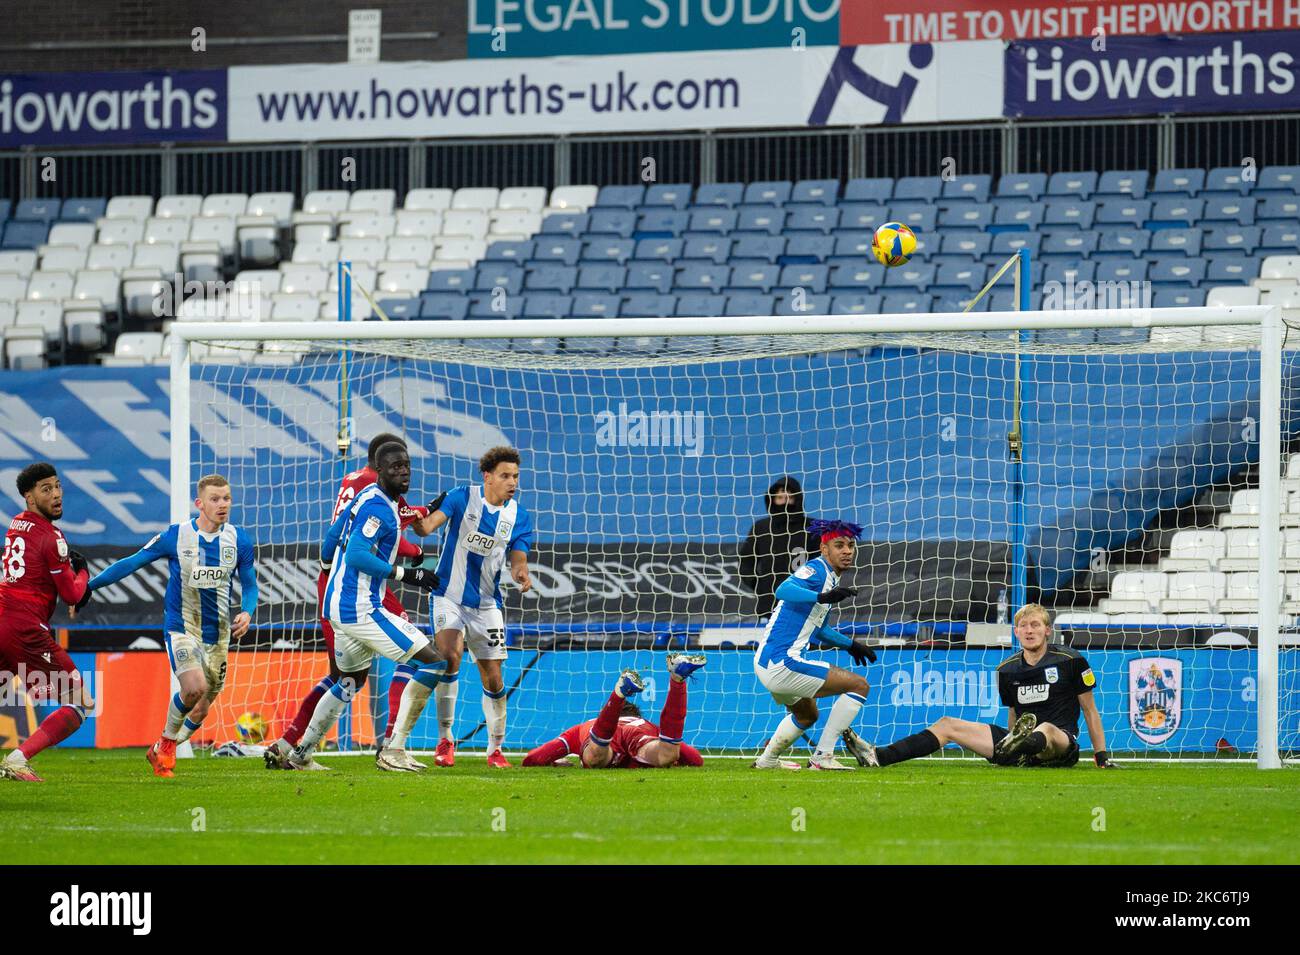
[{"x": 1050, "y": 688}]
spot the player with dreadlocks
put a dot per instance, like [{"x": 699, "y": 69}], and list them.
[{"x": 805, "y": 599}]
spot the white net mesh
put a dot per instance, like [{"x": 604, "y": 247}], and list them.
[{"x": 646, "y": 461}]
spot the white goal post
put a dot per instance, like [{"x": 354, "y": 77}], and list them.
[{"x": 738, "y": 341}]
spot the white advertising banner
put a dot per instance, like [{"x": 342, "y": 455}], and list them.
[{"x": 816, "y": 86}]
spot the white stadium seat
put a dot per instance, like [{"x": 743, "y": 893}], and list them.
[
  {"x": 361, "y": 250},
  {"x": 1194, "y": 592},
  {"x": 418, "y": 251},
  {"x": 20, "y": 262},
  {"x": 163, "y": 256},
  {"x": 309, "y": 278},
  {"x": 329, "y": 308},
  {"x": 173, "y": 231},
  {"x": 367, "y": 225},
  {"x": 373, "y": 200},
  {"x": 477, "y": 197},
  {"x": 277, "y": 205},
  {"x": 79, "y": 234},
  {"x": 419, "y": 223},
  {"x": 514, "y": 221},
  {"x": 120, "y": 231},
  {"x": 468, "y": 223},
  {"x": 13, "y": 287},
  {"x": 178, "y": 207},
  {"x": 572, "y": 198},
  {"x": 325, "y": 253},
  {"x": 294, "y": 308},
  {"x": 47, "y": 316},
  {"x": 1281, "y": 267},
  {"x": 265, "y": 281},
  {"x": 25, "y": 349},
  {"x": 1135, "y": 592},
  {"x": 129, "y": 207},
  {"x": 363, "y": 275},
  {"x": 229, "y": 204},
  {"x": 314, "y": 228},
  {"x": 98, "y": 284},
  {"x": 8, "y": 312},
  {"x": 258, "y": 238},
  {"x": 468, "y": 250},
  {"x": 50, "y": 286},
  {"x": 115, "y": 257},
  {"x": 1194, "y": 550},
  {"x": 218, "y": 229},
  {"x": 412, "y": 281},
  {"x": 1232, "y": 295},
  {"x": 428, "y": 200},
  {"x": 331, "y": 201},
  {"x": 523, "y": 198},
  {"x": 63, "y": 258}
]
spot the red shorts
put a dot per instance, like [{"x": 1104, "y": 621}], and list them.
[
  {"x": 34, "y": 654},
  {"x": 391, "y": 604}
]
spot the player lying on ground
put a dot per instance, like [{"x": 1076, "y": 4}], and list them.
[
  {"x": 619, "y": 736},
  {"x": 39, "y": 568},
  {"x": 1043, "y": 686},
  {"x": 485, "y": 526},
  {"x": 805, "y": 598},
  {"x": 368, "y": 532},
  {"x": 414, "y": 517},
  {"x": 203, "y": 556}
]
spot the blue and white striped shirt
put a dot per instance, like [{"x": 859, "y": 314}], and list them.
[
  {"x": 479, "y": 535},
  {"x": 371, "y": 522}
]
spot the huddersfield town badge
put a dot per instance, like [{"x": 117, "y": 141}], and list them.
[
  {"x": 1155, "y": 697},
  {"x": 1051, "y": 674},
  {"x": 227, "y": 555}
]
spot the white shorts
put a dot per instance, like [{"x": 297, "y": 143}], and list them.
[
  {"x": 484, "y": 630},
  {"x": 792, "y": 679},
  {"x": 190, "y": 653},
  {"x": 385, "y": 633}
]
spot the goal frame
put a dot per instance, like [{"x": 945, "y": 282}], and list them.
[{"x": 1268, "y": 318}]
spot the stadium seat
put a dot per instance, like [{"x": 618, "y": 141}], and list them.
[
  {"x": 445, "y": 306},
  {"x": 601, "y": 278},
  {"x": 622, "y": 197},
  {"x": 918, "y": 275},
  {"x": 115, "y": 257},
  {"x": 475, "y": 198},
  {"x": 595, "y": 305},
  {"x": 547, "y": 277},
  {"x": 720, "y": 194},
  {"x": 1279, "y": 180},
  {"x": 1174, "y": 271},
  {"x": 557, "y": 249},
  {"x": 856, "y": 304},
  {"x": 899, "y": 303},
  {"x": 83, "y": 210},
  {"x": 212, "y": 229},
  {"x": 304, "y": 278},
  {"x": 674, "y": 195},
  {"x": 1232, "y": 239},
  {"x": 368, "y": 250},
  {"x": 63, "y": 258},
  {"x": 172, "y": 230},
  {"x": 1238, "y": 209},
  {"x": 749, "y": 303},
  {"x": 24, "y": 349},
  {"x": 618, "y": 222},
  {"x": 711, "y": 248},
  {"x": 964, "y": 277},
  {"x": 1232, "y": 295},
  {"x": 1065, "y": 336},
  {"x": 1122, "y": 270},
  {"x": 367, "y": 225},
  {"x": 1281, "y": 267},
  {"x": 762, "y": 248},
  {"x": 566, "y": 223},
  {"x": 1022, "y": 185},
  {"x": 467, "y": 223},
  {"x": 666, "y": 221},
  {"x": 1006, "y": 244},
  {"x": 700, "y": 305},
  {"x": 664, "y": 250},
  {"x": 1067, "y": 272},
  {"x": 1079, "y": 184},
  {"x": 1069, "y": 245},
  {"x": 967, "y": 216},
  {"x": 1185, "y": 241},
  {"x": 762, "y": 220},
  {"x": 918, "y": 216},
  {"x": 648, "y": 305},
  {"x": 1232, "y": 269},
  {"x": 862, "y": 216},
  {"x": 806, "y": 248},
  {"x": 698, "y": 276},
  {"x": 49, "y": 286},
  {"x": 810, "y": 278},
  {"x": 804, "y": 305},
  {"x": 1181, "y": 182},
  {"x": 1018, "y": 214},
  {"x": 749, "y": 277},
  {"x": 417, "y": 251},
  {"x": 139, "y": 346},
  {"x": 409, "y": 280},
  {"x": 973, "y": 187},
  {"x": 1226, "y": 180},
  {"x": 1123, "y": 243},
  {"x": 918, "y": 188},
  {"x": 513, "y": 223},
  {"x": 547, "y": 305},
  {"x": 1130, "y": 212},
  {"x": 775, "y": 193},
  {"x": 1135, "y": 592},
  {"x": 813, "y": 218},
  {"x": 1194, "y": 592},
  {"x": 37, "y": 210},
  {"x": 24, "y": 235},
  {"x": 877, "y": 190},
  {"x": 128, "y": 207},
  {"x": 573, "y": 198},
  {"x": 815, "y": 191},
  {"x": 847, "y": 279},
  {"x": 957, "y": 302},
  {"x": 495, "y": 305},
  {"x": 451, "y": 280},
  {"x": 1280, "y": 238},
  {"x": 517, "y": 252},
  {"x": 713, "y": 220},
  {"x": 1131, "y": 183},
  {"x": 1178, "y": 298},
  {"x": 650, "y": 277},
  {"x": 1069, "y": 212},
  {"x": 401, "y": 309},
  {"x": 20, "y": 262}
]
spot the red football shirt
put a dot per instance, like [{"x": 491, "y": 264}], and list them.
[
  {"x": 630, "y": 735},
  {"x": 356, "y": 482},
  {"x": 36, "y": 572}
]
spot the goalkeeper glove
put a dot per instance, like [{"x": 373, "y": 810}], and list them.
[
  {"x": 417, "y": 577},
  {"x": 437, "y": 502},
  {"x": 1102, "y": 759},
  {"x": 415, "y": 560},
  {"x": 836, "y": 595},
  {"x": 861, "y": 653},
  {"x": 78, "y": 562}
]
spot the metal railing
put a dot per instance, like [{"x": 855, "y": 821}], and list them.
[{"x": 698, "y": 157}]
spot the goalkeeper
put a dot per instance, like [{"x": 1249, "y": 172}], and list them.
[{"x": 1044, "y": 687}]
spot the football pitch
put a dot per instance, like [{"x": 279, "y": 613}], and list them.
[{"x": 106, "y": 807}]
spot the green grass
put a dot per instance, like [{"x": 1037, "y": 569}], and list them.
[{"x": 106, "y": 807}]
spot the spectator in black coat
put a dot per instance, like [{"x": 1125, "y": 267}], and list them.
[{"x": 777, "y": 545}]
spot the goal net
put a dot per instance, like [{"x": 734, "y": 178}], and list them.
[{"x": 1140, "y": 511}]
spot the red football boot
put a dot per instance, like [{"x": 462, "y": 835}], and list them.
[
  {"x": 445, "y": 755},
  {"x": 162, "y": 757},
  {"x": 497, "y": 761}
]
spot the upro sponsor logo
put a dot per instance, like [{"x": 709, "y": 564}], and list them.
[
  {"x": 924, "y": 685},
  {"x": 78, "y": 908}
]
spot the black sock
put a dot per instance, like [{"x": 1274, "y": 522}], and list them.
[
  {"x": 1036, "y": 743},
  {"x": 909, "y": 747}
]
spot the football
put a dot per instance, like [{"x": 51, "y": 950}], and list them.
[
  {"x": 893, "y": 244},
  {"x": 252, "y": 728}
]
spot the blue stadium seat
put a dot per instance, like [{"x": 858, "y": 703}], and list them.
[
  {"x": 918, "y": 188},
  {"x": 1186, "y": 241},
  {"x": 750, "y": 278},
  {"x": 620, "y": 222},
  {"x": 648, "y": 305},
  {"x": 1007, "y": 244},
  {"x": 1225, "y": 180},
  {"x": 1179, "y": 297},
  {"x": 767, "y": 193},
  {"x": 1022, "y": 185},
  {"x": 1080, "y": 184},
  {"x": 879, "y": 190},
  {"x": 624, "y": 197},
  {"x": 674, "y": 195},
  {"x": 848, "y": 279},
  {"x": 927, "y": 244},
  {"x": 694, "y": 276},
  {"x": 1069, "y": 212},
  {"x": 1132, "y": 212},
  {"x": 808, "y": 305},
  {"x": 488, "y": 305},
  {"x": 566, "y": 223},
  {"x": 82, "y": 209},
  {"x": 906, "y": 303},
  {"x": 1123, "y": 336},
  {"x": 806, "y": 247},
  {"x": 720, "y": 194},
  {"x": 1069, "y": 244},
  {"x": 1123, "y": 182},
  {"x": 1123, "y": 243},
  {"x": 452, "y": 280},
  {"x": 510, "y": 251},
  {"x": 591, "y": 345},
  {"x": 37, "y": 210},
  {"x": 713, "y": 220},
  {"x": 608, "y": 250},
  {"x": 971, "y": 245},
  {"x": 1122, "y": 270},
  {"x": 1275, "y": 208},
  {"x": 672, "y": 222},
  {"x": 493, "y": 275},
  {"x": 919, "y": 216},
  {"x": 709, "y": 248},
  {"x": 1069, "y": 273},
  {"x": 400, "y": 309},
  {"x": 813, "y": 218},
  {"x": 595, "y": 305},
  {"x": 663, "y": 250},
  {"x": 557, "y": 249},
  {"x": 1065, "y": 336},
  {"x": 700, "y": 305},
  {"x": 5, "y": 208},
  {"x": 650, "y": 277},
  {"x": 1283, "y": 180},
  {"x": 974, "y": 187},
  {"x": 1176, "y": 271},
  {"x": 970, "y": 215},
  {"x": 918, "y": 275},
  {"x": 1178, "y": 182},
  {"x": 810, "y": 278},
  {"x": 819, "y": 191},
  {"x": 601, "y": 278},
  {"x": 766, "y": 248},
  {"x": 767, "y": 220},
  {"x": 855, "y": 246},
  {"x": 1232, "y": 239},
  {"x": 536, "y": 346},
  {"x": 547, "y": 306},
  {"x": 1238, "y": 209},
  {"x": 1280, "y": 238},
  {"x": 1018, "y": 213},
  {"x": 1232, "y": 270},
  {"x": 1002, "y": 300},
  {"x": 856, "y": 303},
  {"x": 547, "y": 277},
  {"x": 969, "y": 277},
  {"x": 749, "y": 303},
  {"x": 957, "y": 301},
  {"x": 24, "y": 235},
  {"x": 863, "y": 216},
  {"x": 444, "y": 305},
  {"x": 1172, "y": 212}
]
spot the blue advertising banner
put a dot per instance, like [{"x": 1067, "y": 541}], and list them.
[
  {"x": 76, "y": 109},
  {"x": 590, "y": 27},
  {"x": 1210, "y": 73}
]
